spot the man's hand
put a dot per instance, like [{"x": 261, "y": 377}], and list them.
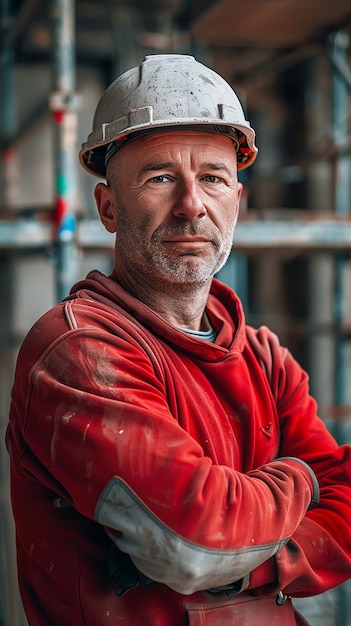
[{"x": 124, "y": 574}]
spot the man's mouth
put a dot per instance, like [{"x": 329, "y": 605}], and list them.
[{"x": 187, "y": 244}]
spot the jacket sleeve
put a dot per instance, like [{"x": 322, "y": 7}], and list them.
[
  {"x": 317, "y": 556},
  {"x": 179, "y": 516}
]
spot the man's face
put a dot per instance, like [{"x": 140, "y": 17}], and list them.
[{"x": 173, "y": 200}]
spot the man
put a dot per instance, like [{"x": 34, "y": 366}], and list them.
[{"x": 168, "y": 466}]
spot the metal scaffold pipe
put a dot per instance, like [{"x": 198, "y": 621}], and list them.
[
  {"x": 341, "y": 85},
  {"x": 63, "y": 105},
  {"x": 342, "y": 204},
  {"x": 8, "y": 111}
]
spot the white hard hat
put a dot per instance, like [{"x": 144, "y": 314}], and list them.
[{"x": 167, "y": 91}]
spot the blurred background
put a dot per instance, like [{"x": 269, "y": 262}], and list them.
[{"x": 289, "y": 61}]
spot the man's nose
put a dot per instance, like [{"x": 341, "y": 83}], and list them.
[{"x": 188, "y": 201}]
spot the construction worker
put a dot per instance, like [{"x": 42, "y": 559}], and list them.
[{"x": 168, "y": 465}]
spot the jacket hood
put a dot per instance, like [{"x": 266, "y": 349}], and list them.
[{"x": 224, "y": 311}]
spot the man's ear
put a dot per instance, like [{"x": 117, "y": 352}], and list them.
[
  {"x": 106, "y": 206},
  {"x": 239, "y": 194}
]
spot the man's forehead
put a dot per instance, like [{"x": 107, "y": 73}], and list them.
[
  {"x": 186, "y": 137},
  {"x": 167, "y": 146}
]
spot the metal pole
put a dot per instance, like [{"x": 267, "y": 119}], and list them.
[
  {"x": 8, "y": 111},
  {"x": 342, "y": 207},
  {"x": 338, "y": 54},
  {"x": 63, "y": 104},
  {"x": 10, "y": 603}
]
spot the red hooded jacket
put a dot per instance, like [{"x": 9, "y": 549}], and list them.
[{"x": 201, "y": 461}]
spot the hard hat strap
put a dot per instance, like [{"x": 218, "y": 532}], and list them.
[{"x": 115, "y": 145}]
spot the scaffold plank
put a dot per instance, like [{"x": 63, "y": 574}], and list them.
[{"x": 250, "y": 236}]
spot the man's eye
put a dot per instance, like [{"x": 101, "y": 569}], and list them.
[
  {"x": 210, "y": 178},
  {"x": 159, "y": 179}
]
